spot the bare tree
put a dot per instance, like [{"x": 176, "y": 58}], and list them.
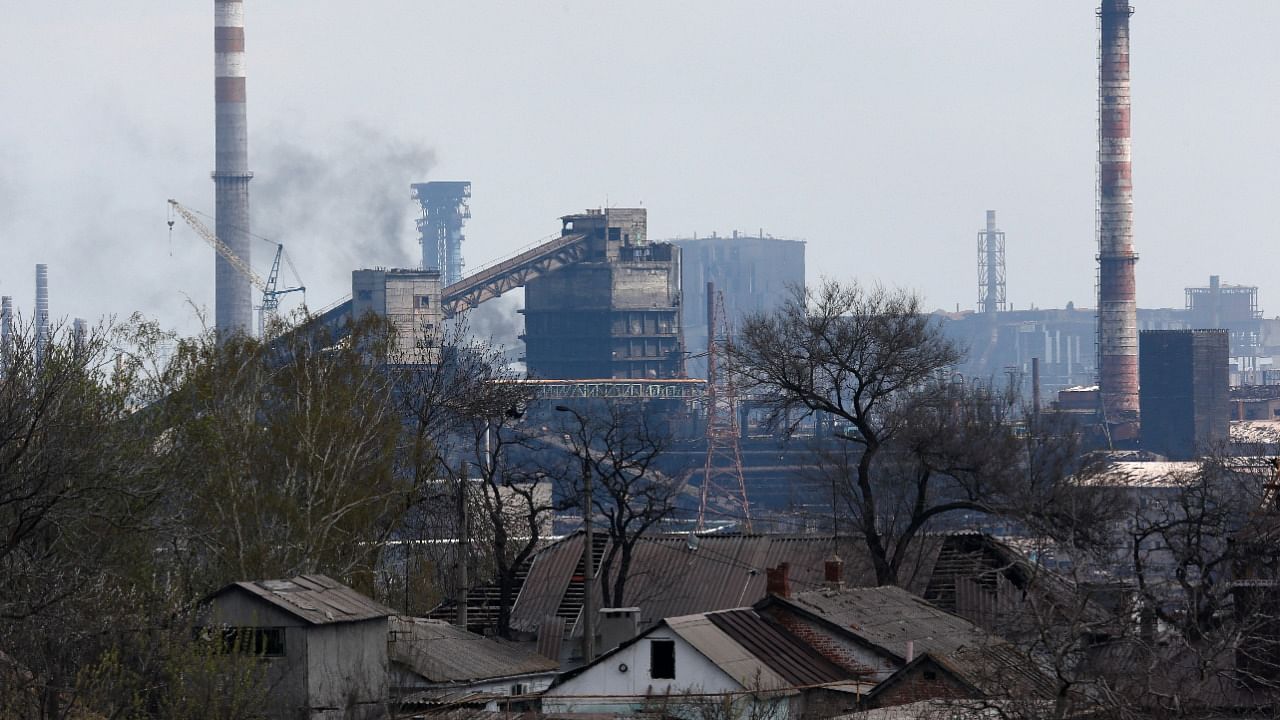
[
  {"x": 464, "y": 410},
  {"x": 914, "y": 446},
  {"x": 617, "y": 446}
]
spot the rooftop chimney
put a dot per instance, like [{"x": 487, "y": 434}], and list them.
[
  {"x": 233, "y": 304},
  {"x": 833, "y": 572},
  {"x": 1117, "y": 288},
  {"x": 617, "y": 625},
  {"x": 777, "y": 581}
]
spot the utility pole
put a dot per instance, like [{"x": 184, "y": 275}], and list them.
[
  {"x": 464, "y": 551},
  {"x": 588, "y": 557}
]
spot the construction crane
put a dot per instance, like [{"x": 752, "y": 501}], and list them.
[{"x": 270, "y": 292}]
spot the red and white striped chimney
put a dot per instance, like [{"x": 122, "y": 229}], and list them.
[
  {"x": 233, "y": 302},
  {"x": 1117, "y": 287}
]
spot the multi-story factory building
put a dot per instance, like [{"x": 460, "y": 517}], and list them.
[
  {"x": 753, "y": 273},
  {"x": 1184, "y": 396},
  {"x": 408, "y": 299},
  {"x": 613, "y": 313}
]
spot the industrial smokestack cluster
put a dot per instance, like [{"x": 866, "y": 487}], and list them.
[
  {"x": 233, "y": 302},
  {"x": 1117, "y": 288}
]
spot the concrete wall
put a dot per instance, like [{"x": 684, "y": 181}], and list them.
[{"x": 347, "y": 675}]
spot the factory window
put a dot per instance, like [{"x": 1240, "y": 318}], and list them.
[
  {"x": 615, "y": 234},
  {"x": 422, "y": 301},
  {"x": 662, "y": 659}
]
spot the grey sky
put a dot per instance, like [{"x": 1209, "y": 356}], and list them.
[{"x": 878, "y": 131}]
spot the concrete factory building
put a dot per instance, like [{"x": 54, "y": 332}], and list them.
[
  {"x": 409, "y": 299},
  {"x": 1185, "y": 397},
  {"x": 753, "y": 273},
  {"x": 615, "y": 311}
]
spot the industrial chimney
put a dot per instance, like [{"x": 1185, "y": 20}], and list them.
[
  {"x": 991, "y": 268},
  {"x": 1117, "y": 288},
  {"x": 80, "y": 335},
  {"x": 233, "y": 304},
  {"x": 42, "y": 311}
]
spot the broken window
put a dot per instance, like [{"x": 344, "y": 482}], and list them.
[
  {"x": 422, "y": 301},
  {"x": 259, "y": 641},
  {"x": 662, "y": 659}
]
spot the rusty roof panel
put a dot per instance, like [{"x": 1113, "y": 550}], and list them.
[
  {"x": 786, "y": 654},
  {"x": 316, "y": 599}
]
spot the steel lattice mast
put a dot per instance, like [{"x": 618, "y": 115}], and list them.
[{"x": 722, "y": 477}]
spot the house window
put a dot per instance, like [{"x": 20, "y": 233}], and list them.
[{"x": 662, "y": 659}]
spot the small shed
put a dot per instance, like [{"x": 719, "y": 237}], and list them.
[{"x": 324, "y": 644}]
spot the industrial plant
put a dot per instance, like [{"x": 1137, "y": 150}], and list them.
[{"x": 714, "y": 483}]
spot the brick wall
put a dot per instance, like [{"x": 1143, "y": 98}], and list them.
[{"x": 925, "y": 681}]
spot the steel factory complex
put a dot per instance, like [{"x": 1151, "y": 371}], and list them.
[
  {"x": 604, "y": 302},
  {"x": 751, "y": 592}
]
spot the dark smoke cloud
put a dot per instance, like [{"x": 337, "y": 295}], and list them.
[
  {"x": 346, "y": 200},
  {"x": 498, "y": 322}
]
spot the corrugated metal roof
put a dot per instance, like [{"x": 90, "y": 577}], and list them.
[
  {"x": 676, "y": 575},
  {"x": 721, "y": 649},
  {"x": 786, "y": 654},
  {"x": 316, "y": 599},
  {"x": 444, "y": 653},
  {"x": 890, "y": 617}
]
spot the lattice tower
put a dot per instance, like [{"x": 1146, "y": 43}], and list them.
[{"x": 722, "y": 479}]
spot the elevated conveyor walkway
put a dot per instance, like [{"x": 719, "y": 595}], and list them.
[{"x": 490, "y": 281}]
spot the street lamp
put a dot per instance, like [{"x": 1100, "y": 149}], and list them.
[{"x": 588, "y": 560}]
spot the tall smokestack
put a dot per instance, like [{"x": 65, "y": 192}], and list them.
[
  {"x": 42, "y": 311},
  {"x": 233, "y": 304},
  {"x": 1117, "y": 289},
  {"x": 991, "y": 267},
  {"x": 80, "y": 334}
]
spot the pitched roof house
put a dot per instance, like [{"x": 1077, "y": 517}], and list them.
[
  {"x": 324, "y": 644},
  {"x": 737, "y": 659}
]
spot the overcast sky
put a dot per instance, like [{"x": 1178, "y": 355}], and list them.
[{"x": 878, "y": 131}]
